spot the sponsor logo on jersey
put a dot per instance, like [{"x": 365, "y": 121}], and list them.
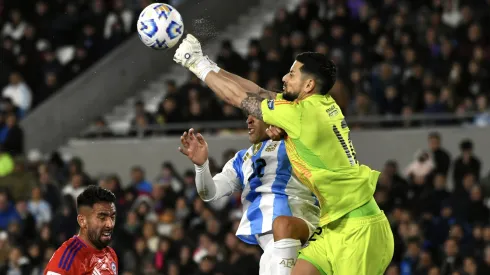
[
  {"x": 332, "y": 111},
  {"x": 271, "y": 147},
  {"x": 113, "y": 266},
  {"x": 270, "y": 104}
]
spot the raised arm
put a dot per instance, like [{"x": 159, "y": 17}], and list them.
[
  {"x": 231, "y": 88},
  {"x": 235, "y": 94},
  {"x": 209, "y": 188},
  {"x": 248, "y": 85}
]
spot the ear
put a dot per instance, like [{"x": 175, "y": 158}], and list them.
[
  {"x": 310, "y": 86},
  {"x": 82, "y": 221}
]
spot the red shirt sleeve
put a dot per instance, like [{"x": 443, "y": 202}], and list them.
[{"x": 65, "y": 261}]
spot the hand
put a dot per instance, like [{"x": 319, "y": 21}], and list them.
[
  {"x": 275, "y": 133},
  {"x": 194, "y": 147},
  {"x": 189, "y": 52}
]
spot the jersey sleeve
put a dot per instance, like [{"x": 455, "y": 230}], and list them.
[
  {"x": 231, "y": 177},
  {"x": 63, "y": 262},
  {"x": 283, "y": 114}
]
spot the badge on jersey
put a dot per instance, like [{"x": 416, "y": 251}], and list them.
[
  {"x": 113, "y": 266},
  {"x": 270, "y": 104}
]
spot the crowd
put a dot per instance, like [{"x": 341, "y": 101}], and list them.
[
  {"x": 33, "y": 34},
  {"x": 163, "y": 227},
  {"x": 394, "y": 58}
]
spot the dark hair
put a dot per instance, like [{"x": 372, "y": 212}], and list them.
[
  {"x": 94, "y": 194},
  {"x": 435, "y": 135},
  {"x": 323, "y": 69},
  {"x": 466, "y": 145}
]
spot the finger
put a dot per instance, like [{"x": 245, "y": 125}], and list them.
[
  {"x": 183, "y": 151},
  {"x": 200, "y": 139},
  {"x": 191, "y": 134},
  {"x": 277, "y": 132},
  {"x": 269, "y": 133}
]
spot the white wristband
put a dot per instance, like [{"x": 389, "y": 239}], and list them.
[{"x": 204, "y": 66}]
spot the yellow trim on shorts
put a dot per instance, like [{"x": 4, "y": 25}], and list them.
[{"x": 301, "y": 256}]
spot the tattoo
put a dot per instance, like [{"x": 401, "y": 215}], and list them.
[
  {"x": 251, "y": 105},
  {"x": 263, "y": 93}
]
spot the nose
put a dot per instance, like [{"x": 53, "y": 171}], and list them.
[
  {"x": 284, "y": 78},
  {"x": 110, "y": 223},
  {"x": 250, "y": 119}
]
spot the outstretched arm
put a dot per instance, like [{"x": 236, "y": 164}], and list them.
[
  {"x": 248, "y": 85},
  {"x": 235, "y": 94}
]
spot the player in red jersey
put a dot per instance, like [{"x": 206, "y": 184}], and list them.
[{"x": 88, "y": 252}]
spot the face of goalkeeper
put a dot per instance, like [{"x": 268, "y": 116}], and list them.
[{"x": 311, "y": 73}]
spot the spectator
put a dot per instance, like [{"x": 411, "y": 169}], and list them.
[
  {"x": 15, "y": 26},
  {"x": 8, "y": 213},
  {"x": 99, "y": 129},
  {"x": 12, "y": 136},
  {"x": 39, "y": 208},
  {"x": 139, "y": 182},
  {"x": 75, "y": 187},
  {"x": 18, "y": 92},
  {"x": 482, "y": 119},
  {"x": 441, "y": 157},
  {"x": 168, "y": 176},
  {"x": 121, "y": 16},
  {"x": 48, "y": 187},
  {"x": 467, "y": 163},
  {"x": 77, "y": 167},
  {"x": 19, "y": 182},
  {"x": 421, "y": 167}
]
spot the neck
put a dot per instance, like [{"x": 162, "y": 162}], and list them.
[
  {"x": 305, "y": 96},
  {"x": 85, "y": 239}
]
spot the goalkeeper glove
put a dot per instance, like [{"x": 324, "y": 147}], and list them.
[{"x": 189, "y": 54}]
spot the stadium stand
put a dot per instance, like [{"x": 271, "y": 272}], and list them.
[
  {"x": 416, "y": 56},
  {"x": 395, "y": 59},
  {"x": 46, "y": 44}
]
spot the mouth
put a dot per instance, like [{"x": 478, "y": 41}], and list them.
[
  {"x": 251, "y": 131},
  {"x": 106, "y": 235}
]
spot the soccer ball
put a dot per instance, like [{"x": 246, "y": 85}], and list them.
[{"x": 160, "y": 26}]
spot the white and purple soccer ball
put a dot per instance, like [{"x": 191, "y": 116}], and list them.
[{"x": 160, "y": 26}]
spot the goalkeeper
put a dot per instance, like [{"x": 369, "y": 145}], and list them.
[{"x": 354, "y": 236}]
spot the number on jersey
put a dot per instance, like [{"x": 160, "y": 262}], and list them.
[
  {"x": 258, "y": 168},
  {"x": 347, "y": 146}
]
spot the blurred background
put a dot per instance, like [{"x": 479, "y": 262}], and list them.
[{"x": 83, "y": 101}]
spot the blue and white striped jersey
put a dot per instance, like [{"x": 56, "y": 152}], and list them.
[{"x": 269, "y": 189}]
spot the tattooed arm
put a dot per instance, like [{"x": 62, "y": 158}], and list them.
[
  {"x": 237, "y": 95},
  {"x": 276, "y": 112},
  {"x": 248, "y": 85}
]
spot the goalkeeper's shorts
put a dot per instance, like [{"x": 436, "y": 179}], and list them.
[{"x": 348, "y": 246}]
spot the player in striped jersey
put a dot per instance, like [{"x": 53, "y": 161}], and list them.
[
  {"x": 88, "y": 252},
  {"x": 279, "y": 212}
]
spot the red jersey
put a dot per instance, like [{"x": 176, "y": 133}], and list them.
[{"x": 76, "y": 257}]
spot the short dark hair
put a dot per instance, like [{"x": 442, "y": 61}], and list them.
[
  {"x": 435, "y": 135},
  {"x": 322, "y": 68},
  {"x": 95, "y": 194},
  {"x": 466, "y": 145}
]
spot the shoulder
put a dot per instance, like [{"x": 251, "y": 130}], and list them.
[
  {"x": 66, "y": 255},
  {"x": 112, "y": 252},
  {"x": 240, "y": 155}
]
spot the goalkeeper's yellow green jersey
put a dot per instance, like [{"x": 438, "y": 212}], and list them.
[{"x": 321, "y": 153}]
